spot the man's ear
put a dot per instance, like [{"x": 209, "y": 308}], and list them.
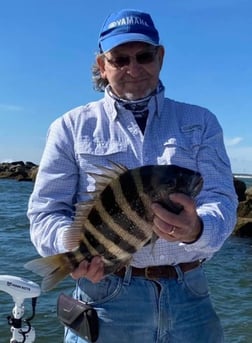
[
  {"x": 101, "y": 64},
  {"x": 161, "y": 53}
]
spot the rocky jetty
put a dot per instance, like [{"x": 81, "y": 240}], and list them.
[
  {"x": 243, "y": 226},
  {"x": 19, "y": 170}
]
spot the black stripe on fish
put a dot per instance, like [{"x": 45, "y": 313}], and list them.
[
  {"x": 146, "y": 175},
  {"x": 129, "y": 190},
  {"x": 119, "y": 216},
  {"x": 72, "y": 258},
  {"x": 99, "y": 247},
  {"x": 104, "y": 228},
  {"x": 84, "y": 251}
]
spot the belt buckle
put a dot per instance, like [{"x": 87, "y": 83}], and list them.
[{"x": 146, "y": 273}]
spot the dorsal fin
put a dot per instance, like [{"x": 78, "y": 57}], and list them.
[
  {"x": 105, "y": 176},
  {"x": 119, "y": 167},
  {"x": 115, "y": 170}
]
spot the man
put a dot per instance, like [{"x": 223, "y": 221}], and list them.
[{"x": 134, "y": 124}]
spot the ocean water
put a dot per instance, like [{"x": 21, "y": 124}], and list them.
[{"x": 229, "y": 274}]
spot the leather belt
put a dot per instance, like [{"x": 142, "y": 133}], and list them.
[{"x": 156, "y": 272}]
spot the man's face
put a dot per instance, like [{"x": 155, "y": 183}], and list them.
[{"x": 132, "y": 69}]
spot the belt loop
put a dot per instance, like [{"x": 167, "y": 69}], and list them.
[
  {"x": 127, "y": 276},
  {"x": 179, "y": 273}
]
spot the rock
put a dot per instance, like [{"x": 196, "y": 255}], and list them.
[
  {"x": 18, "y": 170},
  {"x": 248, "y": 193},
  {"x": 244, "y": 209},
  {"x": 240, "y": 188},
  {"x": 34, "y": 172},
  {"x": 243, "y": 227}
]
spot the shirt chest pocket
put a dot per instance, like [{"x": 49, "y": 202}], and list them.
[
  {"x": 87, "y": 150},
  {"x": 183, "y": 147}
]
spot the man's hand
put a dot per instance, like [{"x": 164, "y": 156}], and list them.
[
  {"x": 94, "y": 271},
  {"x": 184, "y": 227}
]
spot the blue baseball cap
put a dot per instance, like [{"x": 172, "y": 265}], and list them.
[{"x": 126, "y": 26}]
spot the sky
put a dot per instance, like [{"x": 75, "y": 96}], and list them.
[{"x": 47, "y": 48}]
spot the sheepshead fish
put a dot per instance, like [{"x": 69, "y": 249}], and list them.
[{"x": 118, "y": 219}]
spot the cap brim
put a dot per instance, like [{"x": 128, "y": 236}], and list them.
[{"x": 113, "y": 41}]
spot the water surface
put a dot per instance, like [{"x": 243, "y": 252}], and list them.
[{"x": 229, "y": 274}]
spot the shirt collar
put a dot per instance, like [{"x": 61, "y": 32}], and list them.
[{"x": 112, "y": 107}]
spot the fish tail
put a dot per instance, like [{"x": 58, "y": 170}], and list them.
[{"x": 53, "y": 269}]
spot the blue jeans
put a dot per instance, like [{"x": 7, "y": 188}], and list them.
[{"x": 137, "y": 310}]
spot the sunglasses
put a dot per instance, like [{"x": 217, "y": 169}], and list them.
[{"x": 144, "y": 57}]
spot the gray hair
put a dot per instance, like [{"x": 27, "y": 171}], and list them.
[{"x": 99, "y": 83}]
